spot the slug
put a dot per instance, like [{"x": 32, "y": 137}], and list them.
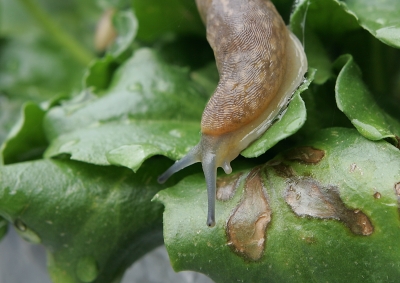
[{"x": 260, "y": 63}]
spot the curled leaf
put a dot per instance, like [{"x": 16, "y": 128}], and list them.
[{"x": 357, "y": 103}]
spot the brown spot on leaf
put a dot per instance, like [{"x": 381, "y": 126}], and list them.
[
  {"x": 249, "y": 220},
  {"x": 305, "y": 154},
  {"x": 307, "y": 197},
  {"x": 227, "y": 185},
  {"x": 282, "y": 170},
  {"x": 397, "y": 189},
  {"x": 358, "y": 222},
  {"x": 397, "y": 192},
  {"x": 377, "y": 195},
  {"x": 310, "y": 240}
]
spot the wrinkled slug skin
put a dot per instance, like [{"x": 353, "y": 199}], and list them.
[
  {"x": 249, "y": 43},
  {"x": 260, "y": 64}
]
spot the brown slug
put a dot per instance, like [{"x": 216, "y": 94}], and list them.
[{"x": 261, "y": 63}]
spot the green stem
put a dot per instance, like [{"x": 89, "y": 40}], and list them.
[{"x": 59, "y": 35}]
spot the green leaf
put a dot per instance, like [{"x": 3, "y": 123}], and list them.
[
  {"x": 26, "y": 139},
  {"x": 325, "y": 211},
  {"x": 36, "y": 69},
  {"x": 127, "y": 143},
  {"x": 113, "y": 4},
  {"x": 380, "y": 18},
  {"x": 179, "y": 50},
  {"x": 14, "y": 19},
  {"x": 94, "y": 221},
  {"x": 149, "y": 106},
  {"x": 318, "y": 58},
  {"x": 160, "y": 17},
  {"x": 322, "y": 111},
  {"x": 126, "y": 25},
  {"x": 322, "y": 16},
  {"x": 329, "y": 29},
  {"x": 9, "y": 111},
  {"x": 355, "y": 100},
  {"x": 77, "y": 18},
  {"x": 309, "y": 21},
  {"x": 43, "y": 46},
  {"x": 99, "y": 73}
]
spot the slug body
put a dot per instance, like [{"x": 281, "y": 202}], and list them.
[{"x": 261, "y": 63}]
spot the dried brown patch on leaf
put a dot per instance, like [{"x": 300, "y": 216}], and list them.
[
  {"x": 397, "y": 190},
  {"x": 307, "y": 197},
  {"x": 357, "y": 221},
  {"x": 305, "y": 154},
  {"x": 227, "y": 185},
  {"x": 281, "y": 169},
  {"x": 310, "y": 240},
  {"x": 246, "y": 227}
]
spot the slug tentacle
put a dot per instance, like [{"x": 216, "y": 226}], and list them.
[
  {"x": 261, "y": 63},
  {"x": 189, "y": 159},
  {"x": 210, "y": 173}
]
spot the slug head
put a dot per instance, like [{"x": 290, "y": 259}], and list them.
[{"x": 212, "y": 152}]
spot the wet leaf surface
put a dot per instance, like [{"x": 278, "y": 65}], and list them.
[
  {"x": 321, "y": 222},
  {"x": 9, "y": 111},
  {"x": 36, "y": 69},
  {"x": 26, "y": 140},
  {"x": 150, "y": 108},
  {"x": 34, "y": 65},
  {"x": 327, "y": 209},
  {"x": 83, "y": 214},
  {"x": 380, "y": 18},
  {"x": 356, "y": 101},
  {"x": 99, "y": 73}
]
